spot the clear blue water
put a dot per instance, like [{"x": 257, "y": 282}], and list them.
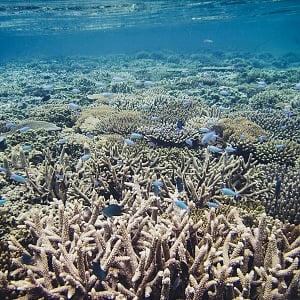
[{"x": 70, "y": 28}]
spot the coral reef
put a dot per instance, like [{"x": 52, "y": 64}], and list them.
[
  {"x": 191, "y": 223},
  {"x": 144, "y": 255}
]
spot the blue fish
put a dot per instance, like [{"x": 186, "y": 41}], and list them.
[
  {"x": 186, "y": 104},
  {"x": 212, "y": 204},
  {"x": 136, "y": 136},
  {"x": 18, "y": 178},
  {"x": 26, "y": 148},
  {"x": 74, "y": 106},
  {"x": 62, "y": 141},
  {"x": 180, "y": 125},
  {"x": 229, "y": 192},
  {"x": 3, "y": 169},
  {"x": 262, "y": 138},
  {"x": 107, "y": 94},
  {"x": 242, "y": 136},
  {"x": 98, "y": 271},
  {"x": 214, "y": 149},
  {"x": 158, "y": 183},
  {"x": 76, "y": 90},
  {"x": 277, "y": 188},
  {"x": 203, "y": 130},
  {"x": 210, "y": 136},
  {"x": 279, "y": 146},
  {"x": 179, "y": 184},
  {"x": 10, "y": 125},
  {"x": 154, "y": 118},
  {"x": 24, "y": 129},
  {"x": 85, "y": 157},
  {"x": 59, "y": 176},
  {"x": 112, "y": 210},
  {"x": 156, "y": 190},
  {"x": 118, "y": 79},
  {"x": 181, "y": 204},
  {"x": 2, "y": 200},
  {"x": 129, "y": 142},
  {"x": 189, "y": 142},
  {"x": 230, "y": 149},
  {"x": 27, "y": 259}
]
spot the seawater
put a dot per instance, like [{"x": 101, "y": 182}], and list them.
[{"x": 72, "y": 28}]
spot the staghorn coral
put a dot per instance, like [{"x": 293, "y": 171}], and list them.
[
  {"x": 285, "y": 207},
  {"x": 144, "y": 257}
]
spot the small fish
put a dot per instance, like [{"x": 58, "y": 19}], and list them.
[
  {"x": 181, "y": 204},
  {"x": 74, "y": 106},
  {"x": 136, "y": 136},
  {"x": 129, "y": 142},
  {"x": 179, "y": 125},
  {"x": 189, "y": 142},
  {"x": 277, "y": 188},
  {"x": 27, "y": 259},
  {"x": 99, "y": 84},
  {"x": 76, "y": 91},
  {"x": 62, "y": 141},
  {"x": 283, "y": 127},
  {"x": 98, "y": 271},
  {"x": 85, "y": 157},
  {"x": 214, "y": 149},
  {"x": 26, "y": 148},
  {"x": 18, "y": 178},
  {"x": 107, "y": 94},
  {"x": 118, "y": 79},
  {"x": 154, "y": 118},
  {"x": 230, "y": 149},
  {"x": 2, "y": 200},
  {"x": 261, "y": 84},
  {"x": 223, "y": 108},
  {"x": 297, "y": 86},
  {"x": 279, "y": 146},
  {"x": 179, "y": 184},
  {"x": 229, "y": 192},
  {"x": 224, "y": 92},
  {"x": 158, "y": 183},
  {"x": 210, "y": 136},
  {"x": 156, "y": 190},
  {"x": 212, "y": 204},
  {"x": 112, "y": 210},
  {"x": 149, "y": 83},
  {"x": 111, "y": 102},
  {"x": 203, "y": 130},
  {"x": 10, "y": 125},
  {"x": 242, "y": 136},
  {"x": 186, "y": 104},
  {"x": 24, "y": 129},
  {"x": 262, "y": 138},
  {"x": 208, "y": 41},
  {"x": 47, "y": 87},
  {"x": 3, "y": 169},
  {"x": 59, "y": 176}
]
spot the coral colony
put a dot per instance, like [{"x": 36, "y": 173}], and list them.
[{"x": 141, "y": 184}]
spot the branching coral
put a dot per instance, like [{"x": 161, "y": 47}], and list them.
[{"x": 146, "y": 258}]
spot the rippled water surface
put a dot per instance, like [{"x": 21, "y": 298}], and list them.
[{"x": 93, "y": 27}]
